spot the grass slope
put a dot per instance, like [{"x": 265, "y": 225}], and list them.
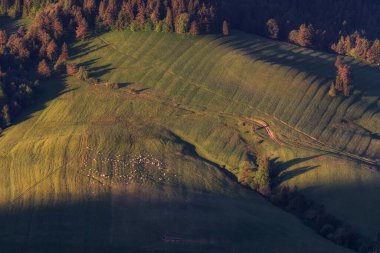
[
  {"x": 54, "y": 197},
  {"x": 249, "y": 76},
  {"x": 184, "y": 100},
  {"x": 245, "y": 76}
]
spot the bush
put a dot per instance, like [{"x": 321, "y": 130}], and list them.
[
  {"x": 82, "y": 73},
  {"x": 92, "y": 81},
  {"x": 111, "y": 85}
]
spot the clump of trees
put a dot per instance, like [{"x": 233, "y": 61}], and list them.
[
  {"x": 257, "y": 178},
  {"x": 181, "y": 16},
  {"x": 359, "y": 47},
  {"x": 343, "y": 79},
  {"x": 304, "y": 36},
  {"x": 40, "y": 49}
]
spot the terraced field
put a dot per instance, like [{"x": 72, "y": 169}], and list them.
[{"x": 153, "y": 163}]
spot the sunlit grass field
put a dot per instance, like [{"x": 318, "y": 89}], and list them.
[
  {"x": 246, "y": 76},
  {"x": 50, "y": 199},
  {"x": 67, "y": 176}
]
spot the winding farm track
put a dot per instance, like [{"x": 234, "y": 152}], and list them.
[{"x": 273, "y": 137}]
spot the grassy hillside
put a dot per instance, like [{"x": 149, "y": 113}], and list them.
[
  {"x": 245, "y": 76},
  {"x": 68, "y": 181},
  {"x": 90, "y": 167},
  {"x": 248, "y": 76}
]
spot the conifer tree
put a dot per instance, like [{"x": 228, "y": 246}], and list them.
[
  {"x": 168, "y": 27},
  {"x": 3, "y": 37},
  {"x": 272, "y": 28},
  {"x": 63, "y": 57},
  {"x": 373, "y": 54},
  {"x": 51, "y": 51},
  {"x": 194, "y": 28},
  {"x": 81, "y": 30},
  {"x": 226, "y": 28},
  {"x": 44, "y": 69}
]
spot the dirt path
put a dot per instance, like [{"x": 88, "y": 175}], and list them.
[{"x": 271, "y": 135}]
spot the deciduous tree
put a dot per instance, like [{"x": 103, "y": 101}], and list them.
[
  {"x": 373, "y": 54},
  {"x": 272, "y": 28},
  {"x": 3, "y": 37}
]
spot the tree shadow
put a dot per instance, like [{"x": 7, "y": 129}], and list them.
[
  {"x": 49, "y": 90},
  {"x": 123, "y": 85},
  {"x": 97, "y": 72},
  {"x": 9, "y": 24},
  {"x": 280, "y": 173},
  {"x": 83, "y": 49},
  {"x": 313, "y": 62}
]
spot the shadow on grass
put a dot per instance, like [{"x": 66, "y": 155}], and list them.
[
  {"x": 49, "y": 90},
  {"x": 190, "y": 150},
  {"x": 311, "y": 61},
  {"x": 135, "y": 225},
  {"x": 280, "y": 172}
]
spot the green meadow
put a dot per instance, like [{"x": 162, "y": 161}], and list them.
[{"x": 152, "y": 166}]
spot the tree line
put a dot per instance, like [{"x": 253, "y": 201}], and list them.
[
  {"x": 42, "y": 47},
  {"x": 35, "y": 53},
  {"x": 347, "y": 27},
  {"x": 29, "y": 55},
  {"x": 181, "y": 16}
]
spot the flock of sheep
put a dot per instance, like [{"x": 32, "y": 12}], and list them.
[{"x": 109, "y": 169}]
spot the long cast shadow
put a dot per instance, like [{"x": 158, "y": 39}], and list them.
[
  {"x": 280, "y": 173},
  {"x": 49, "y": 90}
]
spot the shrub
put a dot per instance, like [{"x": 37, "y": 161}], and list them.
[
  {"x": 332, "y": 90},
  {"x": 111, "y": 85},
  {"x": 5, "y": 118},
  {"x": 82, "y": 73},
  {"x": 93, "y": 81}
]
